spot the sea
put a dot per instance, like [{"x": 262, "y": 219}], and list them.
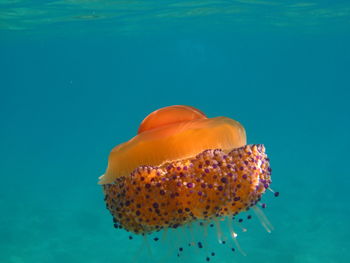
[{"x": 77, "y": 77}]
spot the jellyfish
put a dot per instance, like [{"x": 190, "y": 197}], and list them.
[{"x": 181, "y": 168}]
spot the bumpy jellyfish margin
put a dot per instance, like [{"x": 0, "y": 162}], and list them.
[{"x": 210, "y": 185}]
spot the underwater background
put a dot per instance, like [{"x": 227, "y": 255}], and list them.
[{"x": 78, "y": 76}]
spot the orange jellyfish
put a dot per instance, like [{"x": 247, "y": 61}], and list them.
[{"x": 183, "y": 167}]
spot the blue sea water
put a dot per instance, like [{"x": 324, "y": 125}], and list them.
[{"x": 78, "y": 77}]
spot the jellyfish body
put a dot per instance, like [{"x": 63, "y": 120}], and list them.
[{"x": 183, "y": 167}]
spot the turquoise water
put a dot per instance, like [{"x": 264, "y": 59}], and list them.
[{"x": 77, "y": 78}]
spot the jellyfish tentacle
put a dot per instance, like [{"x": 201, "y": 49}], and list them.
[
  {"x": 234, "y": 235},
  {"x": 263, "y": 219}
]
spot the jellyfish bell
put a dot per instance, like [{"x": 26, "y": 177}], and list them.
[
  {"x": 170, "y": 115},
  {"x": 181, "y": 168},
  {"x": 170, "y": 134}
]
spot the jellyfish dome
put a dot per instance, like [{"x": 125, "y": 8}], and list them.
[{"x": 184, "y": 167}]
